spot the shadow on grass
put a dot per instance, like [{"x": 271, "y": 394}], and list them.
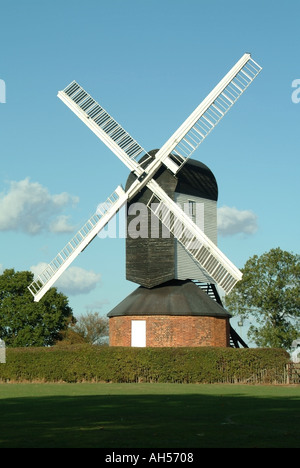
[{"x": 149, "y": 421}]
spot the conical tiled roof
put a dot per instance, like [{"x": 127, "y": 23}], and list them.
[{"x": 171, "y": 298}]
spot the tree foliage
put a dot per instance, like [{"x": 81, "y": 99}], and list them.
[
  {"x": 92, "y": 327},
  {"x": 269, "y": 294},
  {"x": 24, "y": 322},
  {"x": 70, "y": 337}
]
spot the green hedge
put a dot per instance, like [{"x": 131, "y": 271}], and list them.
[{"x": 85, "y": 363}]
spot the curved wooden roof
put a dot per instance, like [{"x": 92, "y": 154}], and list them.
[
  {"x": 194, "y": 178},
  {"x": 172, "y": 298}
]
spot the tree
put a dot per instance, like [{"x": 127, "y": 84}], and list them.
[
  {"x": 92, "y": 327},
  {"x": 269, "y": 293},
  {"x": 70, "y": 337},
  {"x": 24, "y": 322}
]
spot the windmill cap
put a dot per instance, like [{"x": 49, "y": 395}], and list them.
[{"x": 194, "y": 178}]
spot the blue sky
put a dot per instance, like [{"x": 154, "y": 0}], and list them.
[{"x": 149, "y": 63}]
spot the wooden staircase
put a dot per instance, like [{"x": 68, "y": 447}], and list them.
[{"x": 210, "y": 289}]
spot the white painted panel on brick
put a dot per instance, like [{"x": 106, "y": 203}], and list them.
[{"x": 138, "y": 333}]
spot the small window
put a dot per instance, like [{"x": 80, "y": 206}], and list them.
[{"x": 192, "y": 208}]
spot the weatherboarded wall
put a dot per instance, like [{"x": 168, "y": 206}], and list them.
[
  {"x": 149, "y": 259},
  {"x": 206, "y": 219}
]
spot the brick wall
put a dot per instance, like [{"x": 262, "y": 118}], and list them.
[{"x": 172, "y": 331}]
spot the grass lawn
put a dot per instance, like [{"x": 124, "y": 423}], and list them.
[{"x": 148, "y": 416}]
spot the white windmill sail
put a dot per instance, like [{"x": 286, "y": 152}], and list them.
[
  {"x": 189, "y": 136},
  {"x": 103, "y": 125},
  {"x": 208, "y": 256},
  {"x": 43, "y": 282},
  {"x": 184, "y": 141},
  {"x": 208, "y": 114}
]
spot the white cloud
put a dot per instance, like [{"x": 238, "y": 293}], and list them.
[
  {"x": 96, "y": 305},
  {"x": 73, "y": 281},
  {"x": 61, "y": 224},
  {"x": 29, "y": 207},
  {"x": 232, "y": 221},
  {"x": 76, "y": 281}
]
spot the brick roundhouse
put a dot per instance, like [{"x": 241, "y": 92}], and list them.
[{"x": 177, "y": 313}]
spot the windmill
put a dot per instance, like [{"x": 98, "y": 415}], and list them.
[{"x": 172, "y": 156}]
